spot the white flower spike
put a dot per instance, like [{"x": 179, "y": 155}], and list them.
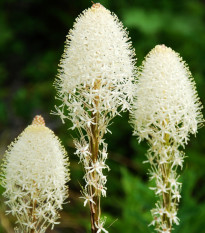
[
  {"x": 96, "y": 71},
  {"x": 167, "y": 104},
  {"x": 35, "y": 173},
  {"x": 95, "y": 83},
  {"x": 165, "y": 112}
]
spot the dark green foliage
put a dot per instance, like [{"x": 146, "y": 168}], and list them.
[{"x": 32, "y": 35}]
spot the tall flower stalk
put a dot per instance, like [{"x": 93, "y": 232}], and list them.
[
  {"x": 35, "y": 173},
  {"x": 165, "y": 112},
  {"x": 95, "y": 83}
]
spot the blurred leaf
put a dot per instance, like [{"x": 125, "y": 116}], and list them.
[{"x": 147, "y": 22}]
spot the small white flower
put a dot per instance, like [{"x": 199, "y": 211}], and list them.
[
  {"x": 161, "y": 188},
  {"x": 97, "y": 166},
  {"x": 178, "y": 160},
  {"x": 88, "y": 198},
  {"x": 153, "y": 175},
  {"x": 176, "y": 195},
  {"x": 100, "y": 227},
  {"x": 155, "y": 221},
  {"x": 163, "y": 160},
  {"x": 173, "y": 181},
  {"x": 30, "y": 225},
  {"x": 104, "y": 153},
  {"x": 102, "y": 189},
  {"x": 164, "y": 229},
  {"x": 159, "y": 211},
  {"x": 60, "y": 113},
  {"x": 82, "y": 150},
  {"x": 151, "y": 158},
  {"x": 173, "y": 217},
  {"x": 90, "y": 181}
]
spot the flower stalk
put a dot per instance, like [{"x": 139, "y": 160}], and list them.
[{"x": 94, "y": 147}]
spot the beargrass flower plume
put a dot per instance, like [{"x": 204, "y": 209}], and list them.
[
  {"x": 95, "y": 83},
  {"x": 165, "y": 112},
  {"x": 35, "y": 173}
]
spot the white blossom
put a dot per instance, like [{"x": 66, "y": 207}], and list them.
[
  {"x": 159, "y": 210},
  {"x": 176, "y": 194},
  {"x": 164, "y": 229},
  {"x": 155, "y": 221},
  {"x": 100, "y": 226},
  {"x": 166, "y": 110},
  {"x": 173, "y": 217},
  {"x": 161, "y": 187},
  {"x": 35, "y": 173},
  {"x": 88, "y": 198},
  {"x": 94, "y": 84}
]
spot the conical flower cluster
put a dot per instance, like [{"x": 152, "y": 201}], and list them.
[
  {"x": 96, "y": 71},
  {"x": 35, "y": 173},
  {"x": 95, "y": 83},
  {"x": 165, "y": 112}
]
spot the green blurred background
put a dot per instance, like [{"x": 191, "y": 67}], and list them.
[{"x": 32, "y": 35}]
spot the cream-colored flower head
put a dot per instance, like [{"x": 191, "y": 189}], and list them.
[
  {"x": 166, "y": 111},
  {"x": 166, "y": 99},
  {"x": 35, "y": 174},
  {"x": 97, "y": 69},
  {"x": 95, "y": 83}
]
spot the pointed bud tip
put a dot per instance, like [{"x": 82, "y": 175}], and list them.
[
  {"x": 38, "y": 120},
  {"x": 96, "y": 6},
  {"x": 161, "y": 48}
]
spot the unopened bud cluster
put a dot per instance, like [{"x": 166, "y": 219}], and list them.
[
  {"x": 35, "y": 173},
  {"x": 165, "y": 112}
]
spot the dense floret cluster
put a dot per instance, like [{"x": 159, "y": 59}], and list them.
[{"x": 35, "y": 173}]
